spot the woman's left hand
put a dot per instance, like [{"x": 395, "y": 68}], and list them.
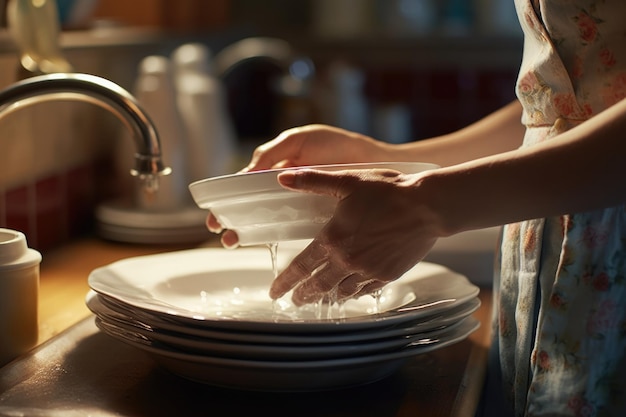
[{"x": 380, "y": 229}]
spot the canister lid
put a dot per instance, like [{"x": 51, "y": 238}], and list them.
[{"x": 14, "y": 251}]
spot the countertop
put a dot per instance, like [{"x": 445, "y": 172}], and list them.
[{"x": 77, "y": 370}]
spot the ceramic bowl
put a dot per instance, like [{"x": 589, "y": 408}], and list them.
[{"x": 261, "y": 211}]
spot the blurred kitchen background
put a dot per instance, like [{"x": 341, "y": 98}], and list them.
[{"x": 399, "y": 70}]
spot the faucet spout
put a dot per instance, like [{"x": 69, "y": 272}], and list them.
[{"x": 103, "y": 93}]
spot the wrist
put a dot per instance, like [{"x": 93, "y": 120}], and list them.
[{"x": 440, "y": 202}]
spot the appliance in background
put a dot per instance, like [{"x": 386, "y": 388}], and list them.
[
  {"x": 268, "y": 87},
  {"x": 201, "y": 102}
]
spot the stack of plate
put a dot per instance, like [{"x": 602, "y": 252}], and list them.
[{"x": 205, "y": 314}]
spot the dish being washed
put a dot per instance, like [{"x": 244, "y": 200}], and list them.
[
  {"x": 261, "y": 211},
  {"x": 226, "y": 289}
]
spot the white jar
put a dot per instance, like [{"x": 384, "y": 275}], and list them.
[{"x": 19, "y": 288}]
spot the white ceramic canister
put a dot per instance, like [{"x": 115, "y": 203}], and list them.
[
  {"x": 201, "y": 100},
  {"x": 19, "y": 288},
  {"x": 154, "y": 89}
]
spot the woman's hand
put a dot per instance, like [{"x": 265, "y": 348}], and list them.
[
  {"x": 316, "y": 145},
  {"x": 229, "y": 238},
  {"x": 381, "y": 228},
  {"x": 307, "y": 145}
]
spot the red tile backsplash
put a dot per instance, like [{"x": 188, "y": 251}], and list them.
[
  {"x": 52, "y": 209},
  {"x": 442, "y": 100},
  {"x": 20, "y": 204},
  {"x": 81, "y": 198}
]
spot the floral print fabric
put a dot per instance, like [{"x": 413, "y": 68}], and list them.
[{"x": 561, "y": 287}]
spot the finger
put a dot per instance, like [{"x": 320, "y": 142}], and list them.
[
  {"x": 370, "y": 288},
  {"x": 351, "y": 286},
  {"x": 229, "y": 239},
  {"x": 335, "y": 184},
  {"x": 285, "y": 163},
  {"x": 299, "y": 269},
  {"x": 213, "y": 225},
  {"x": 282, "y": 164},
  {"x": 276, "y": 152},
  {"x": 323, "y": 282}
]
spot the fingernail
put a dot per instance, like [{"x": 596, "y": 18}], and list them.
[
  {"x": 230, "y": 245},
  {"x": 230, "y": 239},
  {"x": 275, "y": 293},
  {"x": 287, "y": 178},
  {"x": 217, "y": 229}
]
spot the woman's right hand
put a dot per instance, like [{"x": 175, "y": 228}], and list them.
[{"x": 307, "y": 145}]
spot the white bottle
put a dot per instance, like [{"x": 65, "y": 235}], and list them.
[
  {"x": 202, "y": 105},
  {"x": 154, "y": 89},
  {"x": 19, "y": 288}
]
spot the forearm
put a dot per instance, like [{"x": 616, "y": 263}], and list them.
[
  {"x": 580, "y": 170},
  {"x": 498, "y": 132}
]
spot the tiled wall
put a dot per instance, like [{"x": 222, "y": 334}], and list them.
[
  {"x": 442, "y": 100},
  {"x": 50, "y": 165},
  {"x": 55, "y": 162}
]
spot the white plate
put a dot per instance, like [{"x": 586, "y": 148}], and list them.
[
  {"x": 108, "y": 309},
  {"x": 269, "y": 351},
  {"x": 228, "y": 289},
  {"x": 260, "y": 210},
  {"x": 289, "y": 376}
]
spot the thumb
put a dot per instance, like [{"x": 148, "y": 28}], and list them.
[{"x": 315, "y": 181}]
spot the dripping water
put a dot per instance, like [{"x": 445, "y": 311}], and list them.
[
  {"x": 329, "y": 307},
  {"x": 273, "y": 248},
  {"x": 377, "y": 300}
]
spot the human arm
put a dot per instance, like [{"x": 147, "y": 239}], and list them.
[
  {"x": 383, "y": 226},
  {"x": 321, "y": 144},
  {"x": 579, "y": 170}
]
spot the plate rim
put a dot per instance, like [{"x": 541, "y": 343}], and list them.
[
  {"x": 266, "y": 179},
  {"x": 229, "y": 335},
  {"x": 466, "y": 327},
  {"x": 188, "y": 317}
]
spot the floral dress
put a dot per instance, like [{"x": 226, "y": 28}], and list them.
[{"x": 560, "y": 322}]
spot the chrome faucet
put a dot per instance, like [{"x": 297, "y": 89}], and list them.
[{"x": 106, "y": 94}]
